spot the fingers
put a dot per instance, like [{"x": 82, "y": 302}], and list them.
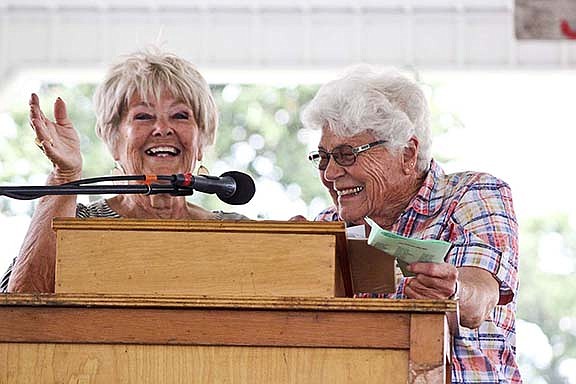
[
  {"x": 35, "y": 111},
  {"x": 440, "y": 270},
  {"x": 44, "y": 145},
  {"x": 34, "y": 100},
  {"x": 60, "y": 113},
  {"x": 37, "y": 118},
  {"x": 42, "y": 139},
  {"x": 57, "y": 139},
  {"x": 38, "y": 123},
  {"x": 432, "y": 280},
  {"x": 34, "y": 108},
  {"x": 44, "y": 128}
]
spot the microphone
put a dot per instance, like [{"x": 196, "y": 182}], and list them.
[{"x": 231, "y": 187}]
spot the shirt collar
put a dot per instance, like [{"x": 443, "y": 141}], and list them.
[{"x": 429, "y": 198}]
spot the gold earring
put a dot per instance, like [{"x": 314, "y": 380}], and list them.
[{"x": 202, "y": 171}]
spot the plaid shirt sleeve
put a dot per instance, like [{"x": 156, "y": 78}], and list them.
[{"x": 484, "y": 233}]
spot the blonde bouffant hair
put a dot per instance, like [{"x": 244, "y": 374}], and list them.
[{"x": 147, "y": 74}]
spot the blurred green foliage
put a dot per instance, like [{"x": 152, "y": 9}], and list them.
[
  {"x": 548, "y": 291},
  {"x": 267, "y": 119}
]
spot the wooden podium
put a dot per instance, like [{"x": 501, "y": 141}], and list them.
[{"x": 107, "y": 337}]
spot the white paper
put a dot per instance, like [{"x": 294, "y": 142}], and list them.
[{"x": 356, "y": 232}]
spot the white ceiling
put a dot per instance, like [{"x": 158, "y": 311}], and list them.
[{"x": 273, "y": 34}]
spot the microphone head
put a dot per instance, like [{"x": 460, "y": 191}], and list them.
[{"x": 245, "y": 188}]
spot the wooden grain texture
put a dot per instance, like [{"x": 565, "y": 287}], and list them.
[
  {"x": 204, "y": 327},
  {"x": 428, "y": 335},
  {"x": 133, "y": 339},
  {"x": 219, "y": 302},
  {"x": 242, "y": 258},
  {"x": 263, "y": 226},
  {"x": 196, "y": 263},
  {"x": 371, "y": 269},
  {"x": 95, "y": 364}
]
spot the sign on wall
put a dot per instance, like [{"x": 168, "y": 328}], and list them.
[{"x": 545, "y": 19}]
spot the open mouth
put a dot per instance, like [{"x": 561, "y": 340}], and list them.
[
  {"x": 350, "y": 191},
  {"x": 163, "y": 151}
]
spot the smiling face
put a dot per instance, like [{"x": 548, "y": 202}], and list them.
[
  {"x": 158, "y": 137},
  {"x": 379, "y": 184}
]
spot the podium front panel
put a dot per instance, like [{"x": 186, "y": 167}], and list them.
[
  {"x": 200, "y": 258},
  {"x": 114, "y": 338}
]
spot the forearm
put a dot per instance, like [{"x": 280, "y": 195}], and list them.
[
  {"x": 34, "y": 268},
  {"x": 479, "y": 294}
]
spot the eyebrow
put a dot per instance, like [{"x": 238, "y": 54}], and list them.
[{"x": 151, "y": 105}]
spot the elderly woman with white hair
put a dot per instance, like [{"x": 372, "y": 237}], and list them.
[
  {"x": 374, "y": 157},
  {"x": 156, "y": 114}
]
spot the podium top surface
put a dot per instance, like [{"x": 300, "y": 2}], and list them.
[
  {"x": 263, "y": 226},
  {"x": 223, "y": 302}
]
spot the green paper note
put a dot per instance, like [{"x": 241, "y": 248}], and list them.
[{"x": 405, "y": 249}]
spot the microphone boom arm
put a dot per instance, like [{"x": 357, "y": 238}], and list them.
[
  {"x": 231, "y": 187},
  {"x": 34, "y": 192}
]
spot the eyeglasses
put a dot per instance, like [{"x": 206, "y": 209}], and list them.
[{"x": 344, "y": 155}]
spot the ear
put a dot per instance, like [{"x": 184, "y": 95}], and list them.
[
  {"x": 117, "y": 144},
  {"x": 199, "y": 155},
  {"x": 116, "y": 153},
  {"x": 410, "y": 155}
]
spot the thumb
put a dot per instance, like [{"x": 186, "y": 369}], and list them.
[{"x": 60, "y": 113}]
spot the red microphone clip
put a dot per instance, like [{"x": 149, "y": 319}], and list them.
[{"x": 187, "y": 179}]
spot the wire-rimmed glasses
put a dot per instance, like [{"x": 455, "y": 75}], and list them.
[{"x": 344, "y": 155}]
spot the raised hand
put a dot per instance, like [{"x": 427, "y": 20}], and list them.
[{"x": 58, "y": 140}]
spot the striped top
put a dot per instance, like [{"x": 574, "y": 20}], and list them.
[
  {"x": 101, "y": 209},
  {"x": 474, "y": 212}
]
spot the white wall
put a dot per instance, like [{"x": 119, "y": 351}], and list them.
[{"x": 273, "y": 34}]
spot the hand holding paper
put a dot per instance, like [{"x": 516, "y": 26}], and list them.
[{"x": 405, "y": 249}]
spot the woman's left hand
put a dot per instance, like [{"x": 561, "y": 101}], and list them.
[{"x": 432, "y": 281}]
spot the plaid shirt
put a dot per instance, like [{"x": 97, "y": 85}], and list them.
[{"x": 474, "y": 212}]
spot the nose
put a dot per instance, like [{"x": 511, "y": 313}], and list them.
[
  {"x": 162, "y": 128},
  {"x": 333, "y": 170}
]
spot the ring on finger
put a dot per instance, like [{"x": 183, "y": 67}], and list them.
[{"x": 38, "y": 143}]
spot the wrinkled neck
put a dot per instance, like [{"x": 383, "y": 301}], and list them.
[{"x": 389, "y": 216}]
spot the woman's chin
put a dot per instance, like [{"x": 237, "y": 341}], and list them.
[
  {"x": 351, "y": 215},
  {"x": 164, "y": 165},
  {"x": 163, "y": 169}
]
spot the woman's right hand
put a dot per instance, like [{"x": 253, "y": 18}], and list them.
[{"x": 58, "y": 140}]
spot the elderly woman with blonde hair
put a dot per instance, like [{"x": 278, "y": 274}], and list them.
[
  {"x": 374, "y": 157},
  {"x": 156, "y": 114}
]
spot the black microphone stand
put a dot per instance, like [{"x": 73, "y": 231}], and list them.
[{"x": 78, "y": 187}]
